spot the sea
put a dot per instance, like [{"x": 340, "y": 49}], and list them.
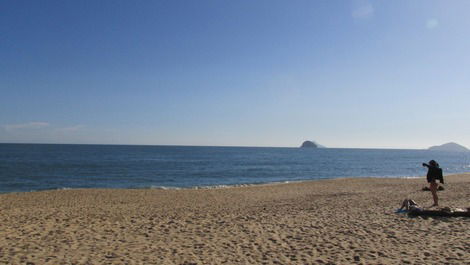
[{"x": 35, "y": 167}]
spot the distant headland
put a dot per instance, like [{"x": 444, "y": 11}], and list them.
[{"x": 453, "y": 147}]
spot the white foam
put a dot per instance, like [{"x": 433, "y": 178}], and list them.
[
  {"x": 222, "y": 186},
  {"x": 417, "y": 177},
  {"x": 64, "y": 188},
  {"x": 164, "y": 188}
]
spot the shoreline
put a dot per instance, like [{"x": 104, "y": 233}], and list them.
[
  {"x": 228, "y": 186},
  {"x": 341, "y": 221}
]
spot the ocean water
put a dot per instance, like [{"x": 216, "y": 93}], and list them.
[{"x": 32, "y": 167}]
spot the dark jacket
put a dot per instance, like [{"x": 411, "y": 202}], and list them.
[{"x": 434, "y": 173}]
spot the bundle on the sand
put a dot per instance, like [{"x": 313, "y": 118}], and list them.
[{"x": 444, "y": 212}]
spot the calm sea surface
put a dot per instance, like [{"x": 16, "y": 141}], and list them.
[{"x": 29, "y": 167}]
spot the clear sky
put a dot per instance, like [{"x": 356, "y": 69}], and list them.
[{"x": 393, "y": 74}]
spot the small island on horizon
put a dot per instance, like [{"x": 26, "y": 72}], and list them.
[
  {"x": 311, "y": 144},
  {"x": 308, "y": 144}
]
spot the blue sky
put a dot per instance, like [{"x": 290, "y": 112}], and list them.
[{"x": 379, "y": 74}]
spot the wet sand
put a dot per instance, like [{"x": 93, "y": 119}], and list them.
[{"x": 342, "y": 221}]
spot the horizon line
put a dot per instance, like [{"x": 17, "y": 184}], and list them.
[{"x": 244, "y": 146}]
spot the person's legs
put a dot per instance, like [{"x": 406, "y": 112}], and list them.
[
  {"x": 433, "y": 188},
  {"x": 403, "y": 205}
]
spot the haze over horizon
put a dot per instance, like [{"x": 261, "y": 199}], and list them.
[{"x": 367, "y": 74}]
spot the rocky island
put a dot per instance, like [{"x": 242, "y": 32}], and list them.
[{"x": 309, "y": 144}]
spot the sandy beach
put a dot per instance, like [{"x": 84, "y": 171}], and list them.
[{"x": 342, "y": 221}]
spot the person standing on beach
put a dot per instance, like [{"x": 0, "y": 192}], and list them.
[{"x": 434, "y": 174}]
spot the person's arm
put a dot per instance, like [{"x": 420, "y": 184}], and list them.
[{"x": 426, "y": 165}]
